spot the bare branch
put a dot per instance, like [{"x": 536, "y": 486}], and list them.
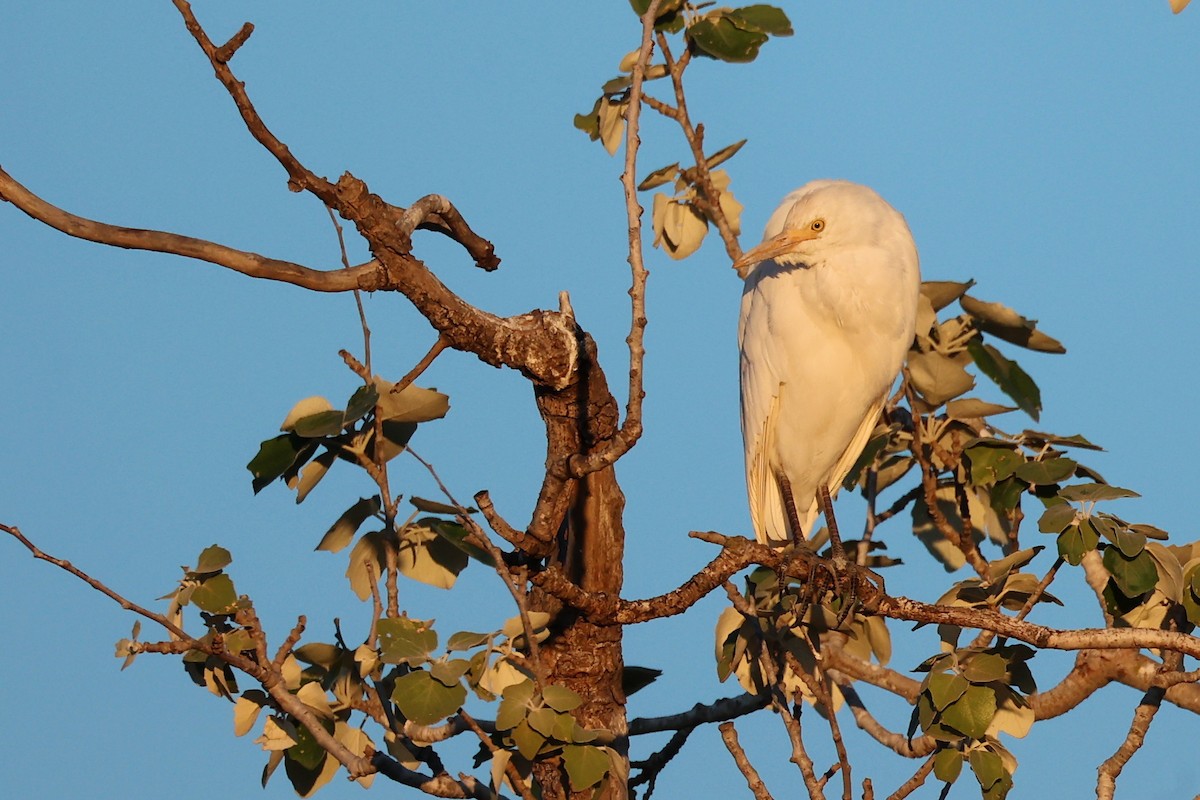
[
  {"x": 730, "y": 737},
  {"x": 437, "y": 786},
  {"x": 913, "y": 783},
  {"x": 225, "y": 52},
  {"x": 433, "y": 212},
  {"x": 650, "y": 768},
  {"x": 368, "y": 276},
  {"x": 631, "y": 429},
  {"x": 725, "y": 709},
  {"x": 1143, "y": 715},
  {"x": 422, "y": 365},
  {"x": 95, "y": 584},
  {"x": 709, "y": 198}
]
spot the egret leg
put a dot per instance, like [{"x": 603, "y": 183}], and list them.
[
  {"x": 813, "y": 587},
  {"x": 789, "y": 508},
  {"x": 838, "y": 556},
  {"x": 835, "y": 539}
]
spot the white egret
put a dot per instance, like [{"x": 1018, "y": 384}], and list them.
[{"x": 828, "y": 312}]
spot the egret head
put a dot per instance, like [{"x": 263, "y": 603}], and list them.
[{"x": 820, "y": 218}]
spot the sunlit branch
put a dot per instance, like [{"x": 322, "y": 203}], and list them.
[
  {"x": 753, "y": 779},
  {"x": 631, "y": 429}
]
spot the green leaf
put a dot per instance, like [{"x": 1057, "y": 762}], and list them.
[
  {"x": 456, "y": 534},
  {"x": 275, "y": 457},
  {"x": 947, "y": 765},
  {"x": 1008, "y": 375},
  {"x": 988, "y": 768},
  {"x": 361, "y": 403},
  {"x": 617, "y": 84},
  {"x": 762, "y": 19},
  {"x": 433, "y": 507},
  {"x": 586, "y": 765},
  {"x": 946, "y": 688},
  {"x": 465, "y": 640},
  {"x": 560, "y": 698},
  {"x": 514, "y": 705},
  {"x": 972, "y": 713},
  {"x": 1095, "y": 492},
  {"x": 1130, "y": 543},
  {"x": 306, "y": 752},
  {"x": 717, "y": 36},
  {"x": 669, "y": 20},
  {"x": 939, "y": 377},
  {"x": 1077, "y": 540},
  {"x": 974, "y": 408},
  {"x": 543, "y": 720},
  {"x": 1056, "y": 518},
  {"x": 212, "y": 559},
  {"x": 985, "y": 667},
  {"x": 425, "y": 700},
  {"x": 1001, "y": 321},
  {"x": 412, "y": 404},
  {"x": 1043, "y": 473},
  {"x": 1149, "y": 531},
  {"x": 992, "y": 462},
  {"x": 322, "y": 654},
  {"x": 589, "y": 122},
  {"x": 342, "y": 531},
  {"x": 311, "y": 474},
  {"x": 405, "y": 641},
  {"x": 1133, "y": 576},
  {"x": 528, "y": 741},
  {"x": 319, "y": 425},
  {"x": 216, "y": 595},
  {"x": 999, "y": 570},
  {"x": 449, "y": 672}
]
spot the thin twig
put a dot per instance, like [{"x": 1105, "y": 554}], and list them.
[
  {"x": 773, "y": 675},
  {"x": 631, "y": 428},
  {"x": 95, "y": 584},
  {"x": 962, "y": 540},
  {"x": 1143, "y": 715},
  {"x": 820, "y": 689},
  {"x": 913, "y": 783},
  {"x": 422, "y": 365},
  {"x": 651, "y": 767},
  {"x": 510, "y": 769},
  {"x": 362, "y": 314},
  {"x": 753, "y": 780},
  {"x": 515, "y": 585},
  {"x": 709, "y": 198}
]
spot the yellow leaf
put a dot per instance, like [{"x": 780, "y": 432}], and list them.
[
  {"x": 245, "y": 714},
  {"x": 305, "y": 408},
  {"x": 278, "y": 734}
]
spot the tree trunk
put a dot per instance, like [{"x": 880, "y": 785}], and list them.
[{"x": 580, "y": 655}]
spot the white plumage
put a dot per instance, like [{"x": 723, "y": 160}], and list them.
[{"x": 828, "y": 312}]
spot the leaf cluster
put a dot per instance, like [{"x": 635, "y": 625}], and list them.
[{"x": 968, "y": 698}]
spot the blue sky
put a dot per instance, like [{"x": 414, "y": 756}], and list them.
[{"x": 1046, "y": 150}]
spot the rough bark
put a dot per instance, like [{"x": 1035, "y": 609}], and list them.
[{"x": 580, "y": 654}]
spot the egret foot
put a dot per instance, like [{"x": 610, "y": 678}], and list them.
[
  {"x": 840, "y": 565},
  {"x": 823, "y": 575}
]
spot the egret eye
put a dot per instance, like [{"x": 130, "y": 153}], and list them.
[{"x": 817, "y": 225}]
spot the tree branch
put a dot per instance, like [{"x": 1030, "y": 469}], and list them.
[
  {"x": 753, "y": 780},
  {"x": 368, "y": 277}
]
